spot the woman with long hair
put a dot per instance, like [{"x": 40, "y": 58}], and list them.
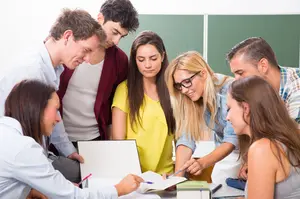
[
  {"x": 141, "y": 107},
  {"x": 199, "y": 103},
  {"x": 30, "y": 114},
  {"x": 269, "y": 139}
]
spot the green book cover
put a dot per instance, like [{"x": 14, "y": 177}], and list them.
[{"x": 193, "y": 185}]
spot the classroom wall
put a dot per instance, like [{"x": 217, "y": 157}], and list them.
[
  {"x": 282, "y": 32},
  {"x": 178, "y": 35},
  {"x": 182, "y": 33},
  {"x": 25, "y": 23}
]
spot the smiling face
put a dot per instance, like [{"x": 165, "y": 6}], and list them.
[
  {"x": 238, "y": 115},
  {"x": 242, "y": 68},
  {"x": 50, "y": 115},
  {"x": 189, "y": 83},
  {"x": 148, "y": 60}
]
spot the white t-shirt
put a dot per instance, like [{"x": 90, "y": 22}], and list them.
[{"x": 78, "y": 103}]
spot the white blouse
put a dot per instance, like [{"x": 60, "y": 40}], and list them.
[{"x": 23, "y": 165}]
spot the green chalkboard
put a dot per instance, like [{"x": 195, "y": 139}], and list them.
[
  {"x": 180, "y": 33},
  {"x": 282, "y": 32}
]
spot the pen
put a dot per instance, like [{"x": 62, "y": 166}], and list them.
[
  {"x": 148, "y": 182},
  {"x": 86, "y": 177},
  {"x": 216, "y": 188},
  {"x": 174, "y": 174}
]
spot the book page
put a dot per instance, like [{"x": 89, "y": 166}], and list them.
[
  {"x": 109, "y": 159},
  {"x": 158, "y": 182}
]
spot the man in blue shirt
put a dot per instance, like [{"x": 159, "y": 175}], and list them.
[
  {"x": 254, "y": 56},
  {"x": 73, "y": 38}
]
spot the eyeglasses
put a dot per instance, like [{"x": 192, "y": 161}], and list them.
[{"x": 186, "y": 83}]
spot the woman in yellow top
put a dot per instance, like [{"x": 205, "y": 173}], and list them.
[{"x": 141, "y": 108}]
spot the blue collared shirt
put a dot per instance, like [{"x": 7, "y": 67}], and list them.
[
  {"x": 24, "y": 165},
  {"x": 223, "y": 131},
  {"x": 37, "y": 64}
]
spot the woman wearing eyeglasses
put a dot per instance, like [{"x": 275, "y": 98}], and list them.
[{"x": 199, "y": 105}]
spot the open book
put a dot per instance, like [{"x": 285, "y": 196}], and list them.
[
  {"x": 159, "y": 183},
  {"x": 110, "y": 161}
]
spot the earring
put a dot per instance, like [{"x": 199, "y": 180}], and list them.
[{"x": 66, "y": 41}]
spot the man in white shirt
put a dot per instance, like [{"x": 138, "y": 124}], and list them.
[{"x": 73, "y": 38}]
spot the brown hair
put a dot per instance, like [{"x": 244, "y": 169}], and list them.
[
  {"x": 269, "y": 118},
  {"x": 26, "y": 103},
  {"x": 80, "y": 23},
  {"x": 254, "y": 49},
  {"x": 135, "y": 80}
]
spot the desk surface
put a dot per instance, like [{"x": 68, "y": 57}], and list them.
[
  {"x": 172, "y": 195},
  {"x": 224, "y": 191}
]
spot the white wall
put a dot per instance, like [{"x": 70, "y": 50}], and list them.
[{"x": 24, "y": 22}]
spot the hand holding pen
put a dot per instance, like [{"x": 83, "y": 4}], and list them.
[
  {"x": 85, "y": 178},
  {"x": 175, "y": 173},
  {"x": 129, "y": 184},
  {"x": 193, "y": 166}
]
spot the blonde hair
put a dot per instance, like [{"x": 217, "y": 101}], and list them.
[{"x": 189, "y": 115}]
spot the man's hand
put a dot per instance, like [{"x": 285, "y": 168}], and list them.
[
  {"x": 76, "y": 156},
  {"x": 34, "y": 194}
]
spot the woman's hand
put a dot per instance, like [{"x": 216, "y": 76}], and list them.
[
  {"x": 193, "y": 166},
  {"x": 34, "y": 194},
  {"x": 243, "y": 173},
  {"x": 129, "y": 184}
]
